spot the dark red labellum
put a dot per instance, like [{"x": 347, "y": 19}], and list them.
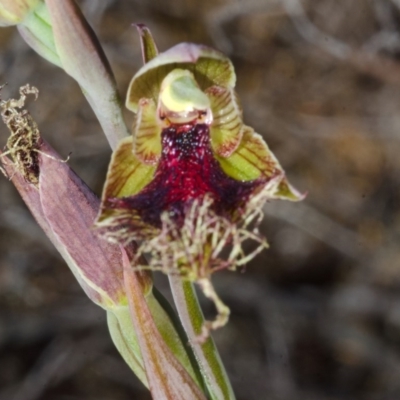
[{"x": 187, "y": 170}]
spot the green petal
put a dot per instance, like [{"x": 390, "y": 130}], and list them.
[
  {"x": 209, "y": 66},
  {"x": 226, "y": 129},
  {"x": 252, "y": 160},
  {"x": 147, "y": 133}
]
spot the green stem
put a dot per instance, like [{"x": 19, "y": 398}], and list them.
[
  {"x": 207, "y": 355},
  {"x": 182, "y": 334}
]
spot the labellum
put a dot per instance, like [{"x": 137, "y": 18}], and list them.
[{"x": 192, "y": 179}]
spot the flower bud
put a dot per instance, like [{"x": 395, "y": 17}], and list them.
[{"x": 13, "y": 12}]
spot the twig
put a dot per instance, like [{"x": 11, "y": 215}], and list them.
[
  {"x": 320, "y": 226},
  {"x": 380, "y": 67}
]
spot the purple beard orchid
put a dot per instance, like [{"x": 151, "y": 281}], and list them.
[
  {"x": 188, "y": 142},
  {"x": 191, "y": 180}
]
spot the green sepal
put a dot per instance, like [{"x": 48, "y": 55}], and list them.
[{"x": 209, "y": 67}]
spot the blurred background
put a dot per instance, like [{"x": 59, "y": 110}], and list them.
[{"x": 317, "y": 316}]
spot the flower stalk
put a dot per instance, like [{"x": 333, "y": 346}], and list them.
[{"x": 207, "y": 355}]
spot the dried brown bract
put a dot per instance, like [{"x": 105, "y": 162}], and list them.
[{"x": 24, "y": 142}]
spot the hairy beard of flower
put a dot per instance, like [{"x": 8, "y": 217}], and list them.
[
  {"x": 204, "y": 242},
  {"x": 186, "y": 172}
]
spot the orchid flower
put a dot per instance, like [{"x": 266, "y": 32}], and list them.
[{"x": 192, "y": 178}]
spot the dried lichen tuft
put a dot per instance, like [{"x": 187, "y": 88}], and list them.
[{"x": 24, "y": 141}]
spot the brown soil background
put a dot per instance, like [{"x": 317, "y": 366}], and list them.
[{"x": 316, "y": 317}]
